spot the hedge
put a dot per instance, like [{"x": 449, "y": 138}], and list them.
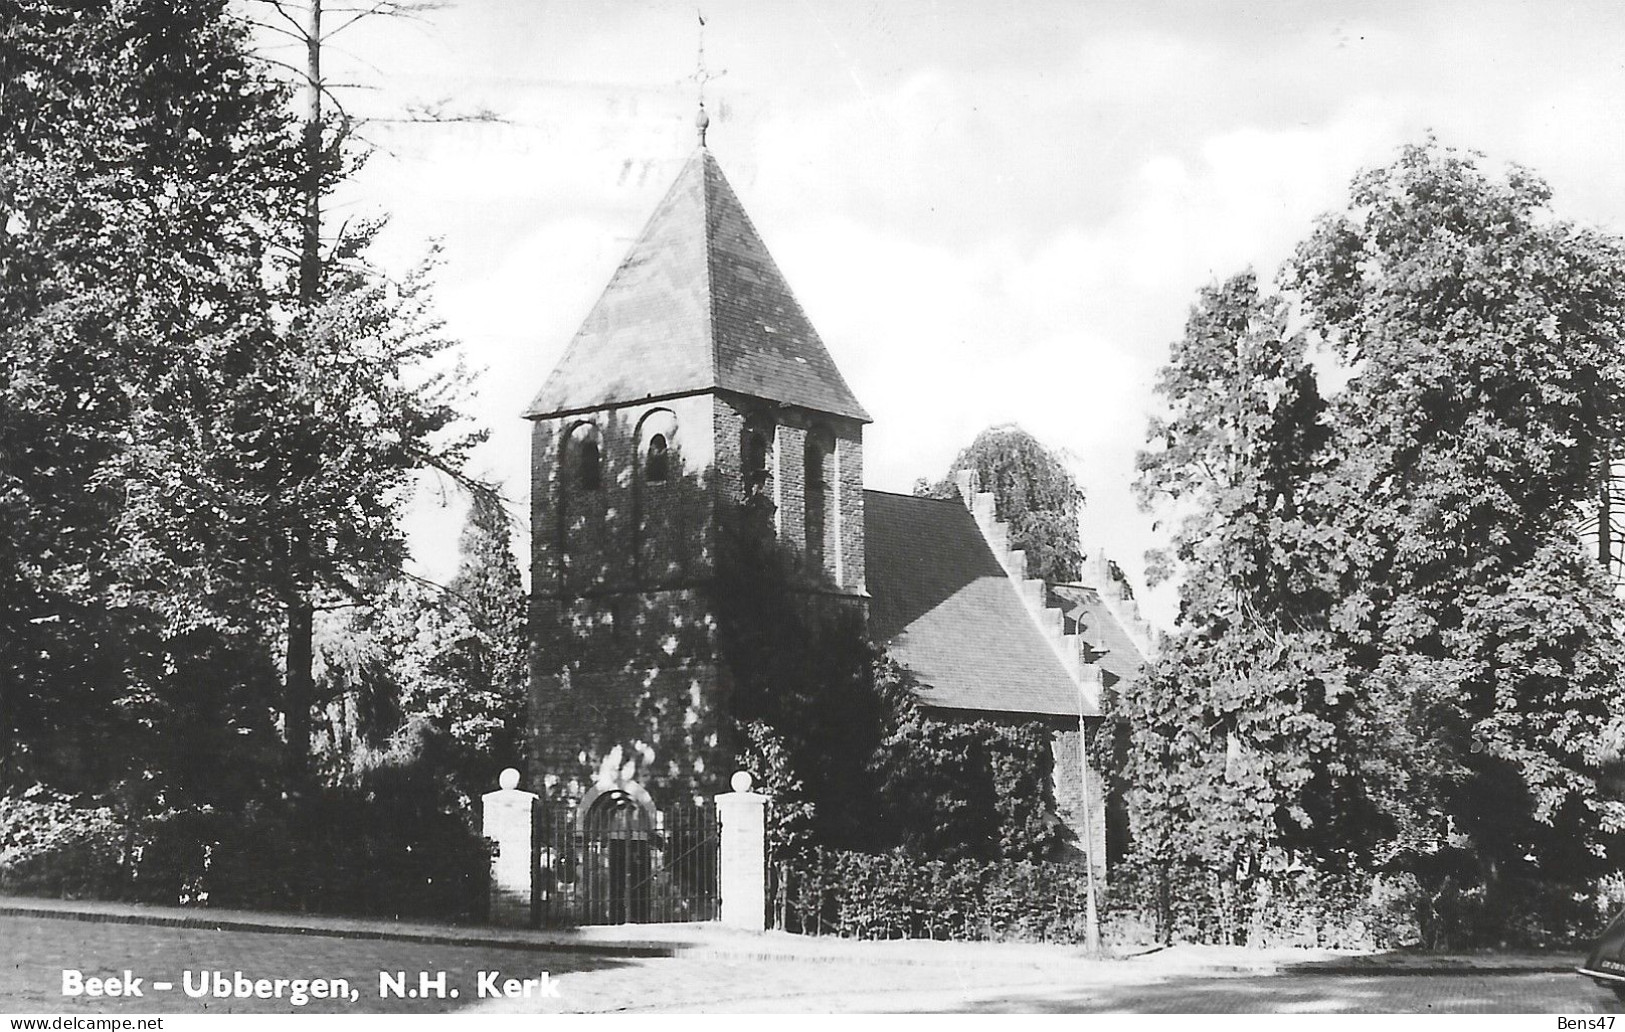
[
  {"x": 1150, "y": 902},
  {"x": 897, "y": 896},
  {"x": 339, "y": 852}
]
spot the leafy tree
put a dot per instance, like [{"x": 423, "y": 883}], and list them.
[
  {"x": 1241, "y": 737},
  {"x": 350, "y": 414},
  {"x": 1236, "y": 451},
  {"x": 188, "y": 447},
  {"x": 965, "y": 789},
  {"x": 360, "y": 676},
  {"x": 425, "y": 662},
  {"x": 143, "y": 161},
  {"x": 807, "y": 711},
  {"x": 465, "y": 672},
  {"x": 1035, "y": 494},
  {"x": 1485, "y": 334},
  {"x": 357, "y": 414},
  {"x": 1393, "y": 653},
  {"x": 833, "y": 729}
]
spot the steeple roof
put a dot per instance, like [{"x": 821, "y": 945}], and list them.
[{"x": 697, "y": 304}]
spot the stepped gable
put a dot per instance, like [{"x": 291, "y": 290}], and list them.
[
  {"x": 1107, "y": 642},
  {"x": 698, "y": 304},
  {"x": 946, "y": 606}
]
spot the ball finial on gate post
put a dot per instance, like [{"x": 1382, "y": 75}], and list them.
[
  {"x": 742, "y": 855},
  {"x": 508, "y": 822}
]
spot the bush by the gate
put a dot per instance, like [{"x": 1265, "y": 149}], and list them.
[
  {"x": 896, "y": 896},
  {"x": 1150, "y": 901},
  {"x": 50, "y": 847},
  {"x": 383, "y": 853}
]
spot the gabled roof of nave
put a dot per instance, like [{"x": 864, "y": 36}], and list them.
[
  {"x": 945, "y": 608},
  {"x": 697, "y": 304}
]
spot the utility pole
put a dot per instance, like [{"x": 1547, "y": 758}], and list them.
[
  {"x": 1091, "y": 916},
  {"x": 1605, "y": 508}
]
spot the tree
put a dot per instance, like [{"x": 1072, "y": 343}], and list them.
[
  {"x": 1393, "y": 654},
  {"x": 832, "y": 727},
  {"x": 1241, "y": 747},
  {"x": 805, "y": 704},
  {"x": 1035, "y": 494},
  {"x": 144, "y": 160},
  {"x": 1236, "y": 452},
  {"x": 954, "y": 789},
  {"x": 436, "y": 667},
  {"x": 1486, "y": 338},
  {"x": 347, "y": 475},
  {"x": 338, "y": 294},
  {"x": 466, "y": 671},
  {"x": 188, "y": 448},
  {"x": 349, "y": 411}
]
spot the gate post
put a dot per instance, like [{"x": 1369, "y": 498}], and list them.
[
  {"x": 742, "y": 873},
  {"x": 508, "y": 819}
]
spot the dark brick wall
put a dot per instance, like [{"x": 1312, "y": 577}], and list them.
[
  {"x": 849, "y": 504},
  {"x": 629, "y": 689},
  {"x": 625, "y": 677},
  {"x": 730, "y": 416},
  {"x": 1066, "y": 752},
  {"x": 844, "y": 545},
  {"x": 624, "y": 681}
]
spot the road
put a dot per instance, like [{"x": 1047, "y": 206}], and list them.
[
  {"x": 1283, "y": 993},
  {"x": 989, "y": 979}
]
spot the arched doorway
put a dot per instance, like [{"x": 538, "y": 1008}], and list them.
[
  {"x": 613, "y": 858},
  {"x": 615, "y": 841}
]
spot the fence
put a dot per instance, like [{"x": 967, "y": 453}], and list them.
[{"x": 617, "y": 864}]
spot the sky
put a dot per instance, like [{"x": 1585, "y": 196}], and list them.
[{"x": 993, "y": 212}]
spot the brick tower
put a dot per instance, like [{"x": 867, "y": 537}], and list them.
[{"x": 695, "y": 386}]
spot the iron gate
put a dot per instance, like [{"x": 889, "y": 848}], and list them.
[{"x": 616, "y": 863}]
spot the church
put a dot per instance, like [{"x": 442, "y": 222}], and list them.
[{"x": 697, "y": 385}]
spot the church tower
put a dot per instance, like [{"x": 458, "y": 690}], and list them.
[{"x": 695, "y": 387}]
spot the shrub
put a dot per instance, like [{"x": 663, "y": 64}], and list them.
[
  {"x": 895, "y": 896},
  {"x": 1151, "y": 902},
  {"x": 50, "y": 847},
  {"x": 980, "y": 789},
  {"x": 385, "y": 849}
]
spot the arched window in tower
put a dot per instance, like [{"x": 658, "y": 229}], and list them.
[
  {"x": 656, "y": 464},
  {"x": 658, "y": 526},
  {"x": 581, "y": 460},
  {"x": 820, "y": 517},
  {"x": 579, "y": 504},
  {"x": 589, "y": 466},
  {"x": 755, "y": 463}
]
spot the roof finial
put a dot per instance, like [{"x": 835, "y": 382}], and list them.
[{"x": 701, "y": 76}]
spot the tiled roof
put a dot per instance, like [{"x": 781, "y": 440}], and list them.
[
  {"x": 1110, "y": 646},
  {"x": 945, "y": 608},
  {"x": 698, "y": 304}
]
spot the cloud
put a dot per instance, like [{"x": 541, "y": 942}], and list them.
[{"x": 989, "y": 218}]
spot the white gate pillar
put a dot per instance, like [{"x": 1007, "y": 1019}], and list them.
[
  {"x": 742, "y": 874},
  {"x": 508, "y": 819}
]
